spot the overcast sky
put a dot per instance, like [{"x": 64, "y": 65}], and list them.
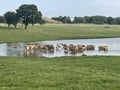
[{"x": 72, "y": 8}]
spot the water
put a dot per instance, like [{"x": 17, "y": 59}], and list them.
[{"x": 18, "y": 49}]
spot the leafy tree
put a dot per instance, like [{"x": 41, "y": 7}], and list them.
[
  {"x": 29, "y": 14},
  {"x": 99, "y": 19},
  {"x": 60, "y": 18},
  {"x": 11, "y": 18},
  {"x": 65, "y": 19},
  {"x": 87, "y": 19},
  {"x": 118, "y": 20},
  {"x": 79, "y": 20},
  {"x": 111, "y": 20},
  {"x": 2, "y": 19},
  {"x": 38, "y": 17}
]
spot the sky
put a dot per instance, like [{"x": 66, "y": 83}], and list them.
[{"x": 72, "y": 8}]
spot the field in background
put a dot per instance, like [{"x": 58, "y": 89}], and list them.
[
  {"x": 57, "y": 31},
  {"x": 64, "y": 73}
]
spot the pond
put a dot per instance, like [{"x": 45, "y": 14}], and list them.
[{"x": 18, "y": 49}]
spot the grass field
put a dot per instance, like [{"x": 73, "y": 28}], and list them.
[
  {"x": 64, "y": 73},
  {"x": 56, "y": 31}
]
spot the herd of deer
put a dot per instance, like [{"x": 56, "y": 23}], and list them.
[{"x": 33, "y": 49}]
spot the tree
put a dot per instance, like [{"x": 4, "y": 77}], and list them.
[
  {"x": 29, "y": 14},
  {"x": 38, "y": 17},
  {"x": 65, "y": 19},
  {"x": 87, "y": 19},
  {"x": 2, "y": 19},
  {"x": 99, "y": 19},
  {"x": 79, "y": 20},
  {"x": 111, "y": 20},
  {"x": 11, "y": 18},
  {"x": 118, "y": 20}
]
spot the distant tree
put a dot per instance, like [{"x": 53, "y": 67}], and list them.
[
  {"x": 57, "y": 18},
  {"x": 2, "y": 19},
  {"x": 117, "y": 20},
  {"x": 99, "y": 19},
  {"x": 111, "y": 20},
  {"x": 87, "y": 19},
  {"x": 79, "y": 20},
  {"x": 75, "y": 20},
  {"x": 64, "y": 19},
  {"x": 60, "y": 18},
  {"x": 11, "y": 18},
  {"x": 29, "y": 14}
]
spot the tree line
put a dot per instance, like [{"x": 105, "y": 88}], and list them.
[
  {"x": 89, "y": 19},
  {"x": 25, "y": 14},
  {"x": 29, "y": 14}
]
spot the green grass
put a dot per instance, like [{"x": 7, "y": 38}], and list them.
[
  {"x": 66, "y": 73},
  {"x": 56, "y": 32}
]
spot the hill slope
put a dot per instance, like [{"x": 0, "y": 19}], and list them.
[{"x": 48, "y": 20}]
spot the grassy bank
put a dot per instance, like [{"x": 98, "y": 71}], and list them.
[
  {"x": 66, "y": 73},
  {"x": 56, "y": 31}
]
